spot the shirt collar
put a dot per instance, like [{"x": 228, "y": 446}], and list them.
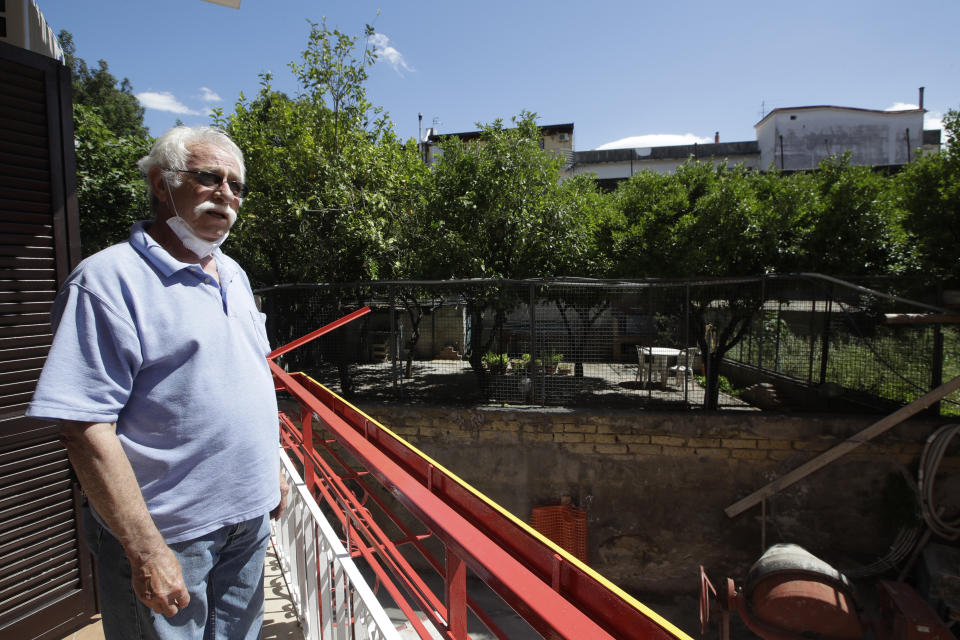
[{"x": 161, "y": 259}]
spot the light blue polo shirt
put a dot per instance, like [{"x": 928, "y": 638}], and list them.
[{"x": 177, "y": 361}]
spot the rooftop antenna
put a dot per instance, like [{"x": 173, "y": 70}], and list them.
[{"x": 436, "y": 124}]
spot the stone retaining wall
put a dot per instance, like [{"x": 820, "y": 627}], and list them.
[{"x": 655, "y": 484}]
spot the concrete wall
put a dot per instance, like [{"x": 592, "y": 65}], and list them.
[
  {"x": 655, "y": 484},
  {"x": 810, "y": 134},
  {"x": 623, "y": 163}
]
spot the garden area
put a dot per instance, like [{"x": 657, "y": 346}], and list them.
[{"x": 785, "y": 343}]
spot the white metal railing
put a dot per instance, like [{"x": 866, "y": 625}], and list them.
[{"x": 331, "y": 597}]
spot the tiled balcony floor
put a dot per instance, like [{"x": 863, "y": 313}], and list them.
[{"x": 279, "y": 621}]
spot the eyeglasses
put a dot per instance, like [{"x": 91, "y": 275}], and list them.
[{"x": 214, "y": 180}]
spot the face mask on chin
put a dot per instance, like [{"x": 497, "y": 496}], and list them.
[
  {"x": 191, "y": 240},
  {"x": 182, "y": 229}
]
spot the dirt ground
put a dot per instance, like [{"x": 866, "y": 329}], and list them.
[{"x": 453, "y": 383}]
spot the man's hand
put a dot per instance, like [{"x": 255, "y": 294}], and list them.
[
  {"x": 279, "y": 509},
  {"x": 158, "y": 581}
]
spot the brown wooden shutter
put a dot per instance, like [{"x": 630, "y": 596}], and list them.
[{"x": 46, "y": 588}]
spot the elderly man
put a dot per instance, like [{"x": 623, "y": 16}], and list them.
[{"x": 157, "y": 372}]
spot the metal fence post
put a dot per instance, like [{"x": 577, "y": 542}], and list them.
[
  {"x": 825, "y": 351},
  {"x": 455, "y": 588},
  {"x": 776, "y": 353},
  {"x": 936, "y": 365},
  {"x": 688, "y": 372},
  {"x": 394, "y": 340},
  {"x": 533, "y": 347},
  {"x": 763, "y": 324},
  {"x": 813, "y": 338},
  {"x": 306, "y": 429}
]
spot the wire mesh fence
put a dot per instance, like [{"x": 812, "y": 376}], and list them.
[{"x": 773, "y": 342}]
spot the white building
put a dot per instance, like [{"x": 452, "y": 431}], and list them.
[
  {"x": 22, "y": 25},
  {"x": 798, "y": 138},
  {"x": 613, "y": 165},
  {"x": 791, "y": 139}
]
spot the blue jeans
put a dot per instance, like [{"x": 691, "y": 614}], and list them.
[{"x": 223, "y": 571}]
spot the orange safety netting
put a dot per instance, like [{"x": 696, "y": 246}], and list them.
[{"x": 565, "y": 525}]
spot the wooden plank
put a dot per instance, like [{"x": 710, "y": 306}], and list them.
[{"x": 844, "y": 447}]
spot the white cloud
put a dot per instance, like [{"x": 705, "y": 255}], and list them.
[
  {"x": 901, "y": 106},
  {"x": 165, "y": 101},
  {"x": 381, "y": 45},
  {"x": 209, "y": 95},
  {"x": 654, "y": 140}
]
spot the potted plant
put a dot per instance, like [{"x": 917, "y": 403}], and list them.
[
  {"x": 553, "y": 362},
  {"x": 496, "y": 363},
  {"x": 521, "y": 364}
]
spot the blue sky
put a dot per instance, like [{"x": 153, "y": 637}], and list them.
[{"x": 614, "y": 69}]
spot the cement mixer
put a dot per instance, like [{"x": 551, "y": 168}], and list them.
[{"x": 790, "y": 594}]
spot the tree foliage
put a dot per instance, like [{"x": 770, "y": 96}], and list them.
[
  {"x": 111, "y": 99},
  {"x": 329, "y": 177},
  {"x": 337, "y": 197},
  {"x": 706, "y": 221},
  {"x": 495, "y": 208},
  {"x": 110, "y": 190},
  {"x": 109, "y": 137},
  {"x": 929, "y": 193}
]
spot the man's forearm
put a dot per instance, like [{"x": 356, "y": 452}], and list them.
[{"x": 111, "y": 486}]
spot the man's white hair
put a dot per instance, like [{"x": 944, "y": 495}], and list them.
[{"x": 172, "y": 149}]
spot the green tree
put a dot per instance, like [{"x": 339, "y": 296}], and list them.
[
  {"x": 929, "y": 193},
  {"x": 495, "y": 208},
  {"x": 701, "y": 221},
  {"x": 110, "y": 190},
  {"x": 853, "y": 226},
  {"x": 110, "y": 137},
  {"x": 490, "y": 203},
  {"x": 639, "y": 231},
  {"x": 331, "y": 183},
  {"x": 717, "y": 222},
  {"x": 329, "y": 176},
  {"x": 98, "y": 89}
]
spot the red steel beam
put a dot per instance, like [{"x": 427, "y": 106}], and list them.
[
  {"x": 514, "y": 560},
  {"x": 543, "y": 608},
  {"x": 375, "y": 536},
  {"x": 616, "y": 612},
  {"x": 339, "y": 498},
  {"x": 313, "y": 335}
]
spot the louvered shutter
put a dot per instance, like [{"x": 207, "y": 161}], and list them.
[{"x": 46, "y": 588}]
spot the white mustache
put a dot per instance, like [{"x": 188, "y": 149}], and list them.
[{"x": 224, "y": 209}]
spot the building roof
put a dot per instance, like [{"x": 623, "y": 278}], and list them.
[
  {"x": 830, "y": 106},
  {"x": 546, "y": 130},
  {"x": 676, "y": 152}
]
